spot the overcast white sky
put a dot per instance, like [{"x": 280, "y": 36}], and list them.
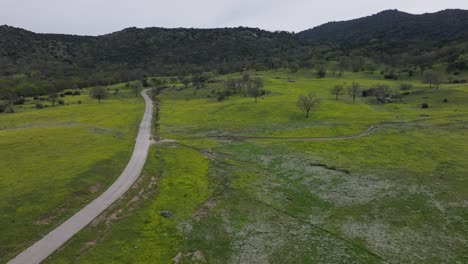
[{"x": 96, "y": 17}]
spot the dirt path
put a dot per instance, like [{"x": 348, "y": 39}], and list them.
[
  {"x": 367, "y": 132},
  {"x": 57, "y": 237}
]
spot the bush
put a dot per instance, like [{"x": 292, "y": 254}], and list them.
[
  {"x": 62, "y": 95},
  {"x": 61, "y": 102},
  {"x": 36, "y": 98},
  {"x": 39, "y": 106},
  {"x": 2, "y": 108},
  {"x": 445, "y": 100},
  {"x": 76, "y": 93},
  {"x": 19, "y": 101},
  {"x": 79, "y": 102},
  {"x": 424, "y": 105},
  {"x": 68, "y": 93}
]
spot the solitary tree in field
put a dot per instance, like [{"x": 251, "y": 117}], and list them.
[
  {"x": 53, "y": 98},
  {"x": 337, "y": 90},
  {"x": 294, "y": 67},
  {"x": 246, "y": 78},
  {"x": 381, "y": 92},
  {"x": 307, "y": 103},
  {"x": 255, "y": 88},
  {"x": 438, "y": 79},
  {"x": 406, "y": 87},
  {"x": 321, "y": 71},
  {"x": 354, "y": 91},
  {"x": 186, "y": 81},
  {"x": 432, "y": 77},
  {"x": 136, "y": 87},
  {"x": 99, "y": 93}
]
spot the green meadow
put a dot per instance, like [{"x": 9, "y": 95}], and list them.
[
  {"x": 397, "y": 194},
  {"x": 57, "y": 159}
]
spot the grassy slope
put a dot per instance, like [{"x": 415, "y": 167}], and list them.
[
  {"x": 397, "y": 195},
  {"x": 55, "y": 160}
]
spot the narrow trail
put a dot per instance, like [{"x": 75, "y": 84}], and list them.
[
  {"x": 61, "y": 234},
  {"x": 364, "y": 133}
]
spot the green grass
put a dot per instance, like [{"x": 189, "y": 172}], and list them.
[
  {"x": 55, "y": 160},
  {"x": 146, "y": 236},
  {"x": 396, "y": 195}
]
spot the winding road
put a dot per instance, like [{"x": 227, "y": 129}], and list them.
[{"x": 57, "y": 237}]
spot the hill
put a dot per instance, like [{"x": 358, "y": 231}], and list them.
[
  {"x": 400, "y": 39},
  {"x": 394, "y": 25},
  {"x": 150, "y": 50},
  {"x": 391, "y": 38}
]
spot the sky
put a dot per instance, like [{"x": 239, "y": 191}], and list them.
[{"x": 97, "y": 17}]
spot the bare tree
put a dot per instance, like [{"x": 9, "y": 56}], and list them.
[
  {"x": 99, "y": 93},
  {"x": 136, "y": 87},
  {"x": 428, "y": 77},
  {"x": 438, "y": 79},
  {"x": 53, "y": 98},
  {"x": 255, "y": 88},
  {"x": 307, "y": 103},
  {"x": 337, "y": 90},
  {"x": 354, "y": 91},
  {"x": 406, "y": 87},
  {"x": 432, "y": 77}
]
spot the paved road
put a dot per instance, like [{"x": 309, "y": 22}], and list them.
[{"x": 57, "y": 237}]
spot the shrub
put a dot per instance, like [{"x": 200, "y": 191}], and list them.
[
  {"x": 36, "y": 98},
  {"x": 19, "y": 101},
  {"x": 39, "y": 106},
  {"x": 445, "y": 100},
  {"x": 79, "y": 102},
  {"x": 68, "y": 93},
  {"x": 62, "y": 95},
  {"x": 424, "y": 105},
  {"x": 76, "y": 93},
  {"x": 61, "y": 102},
  {"x": 2, "y": 108}
]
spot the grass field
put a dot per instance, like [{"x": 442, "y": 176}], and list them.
[
  {"x": 396, "y": 195},
  {"x": 55, "y": 160}
]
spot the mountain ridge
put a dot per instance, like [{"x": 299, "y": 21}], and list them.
[{"x": 389, "y": 37}]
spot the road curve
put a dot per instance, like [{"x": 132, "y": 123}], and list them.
[{"x": 57, "y": 237}]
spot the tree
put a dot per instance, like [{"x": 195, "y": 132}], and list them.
[
  {"x": 321, "y": 71},
  {"x": 53, "y": 98},
  {"x": 354, "y": 91},
  {"x": 432, "y": 77},
  {"x": 307, "y": 103},
  {"x": 380, "y": 92},
  {"x": 294, "y": 67},
  {"x": 246, "y": 78},
  {"x": 99, "y": 93},
  {"x": 406, "y": 87},
  {"x": 255, "y": 88},
  {"x": 185, "y": 81},
  {"x": 136, "y": 87},
  {"x": 337, "y": 90},
  {"x": 205, "y": 77},
  {"x": 438, "y": 79},
  {"x": 428, "y": 77}
]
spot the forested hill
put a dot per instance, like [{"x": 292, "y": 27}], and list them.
[
  {"x": 151, "y": 50},
  {"x": 398, "y": 39},
  {"x": 388, "y": 38},
  {"x": 393, "y": 25}
]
